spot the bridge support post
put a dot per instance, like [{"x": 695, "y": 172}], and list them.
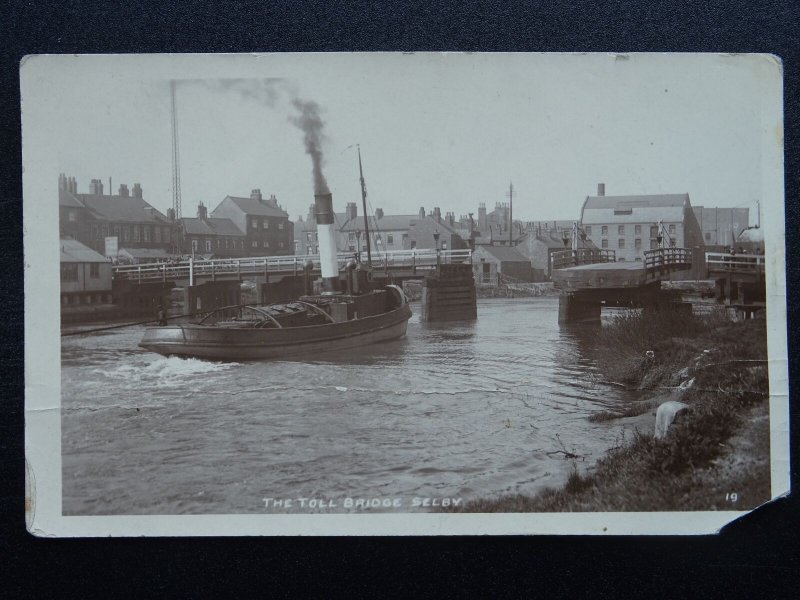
[
  {"x": 210, "y": 296},
  {"x": 574, "y": 309},
  {"x": 449, "y": 295}
]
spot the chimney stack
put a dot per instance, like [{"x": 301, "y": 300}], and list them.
[
  {"x": 123, "y": 190},
  {"x": 256, "y": 195},
  {"x": 311, "y": 216},
  {"x": 421, "y": 212},
  {"x": 96, "y": 187},
  {"x": 450, "y": 218},
  {"x": 171, "y": 214},
  {"x": 62, "y": 181},
  {"x": 351, "y": 211},
  {"x": 379, "y": 213},
  {"x": 601, "y": 189},
  {"x": 437, "y": 214},
  {"x": 202, "y": 211},
  {"x": 137, "y": 190}
]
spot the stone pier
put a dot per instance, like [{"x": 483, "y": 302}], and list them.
[
  {"x": 210, "y": 295},
  {"x": 449, "y": 294}
]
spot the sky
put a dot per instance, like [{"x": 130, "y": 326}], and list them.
[{"x": 446, "y": 130}]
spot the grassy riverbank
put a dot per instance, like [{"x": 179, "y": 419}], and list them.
[{"x": 714, "y": 457}]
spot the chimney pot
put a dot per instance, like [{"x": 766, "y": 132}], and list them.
[
  {"x": 123, "y": 190},
  {"x": 256, "y": 195},
  {"x": 137, "y": 190},
  {"x": 601, "y": 189},
  {"x": 378, "y": 213}
]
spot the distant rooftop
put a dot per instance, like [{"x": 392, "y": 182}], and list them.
[{"x": 72, "y": 251}]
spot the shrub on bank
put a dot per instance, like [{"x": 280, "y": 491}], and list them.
[{"x": 729, "y": 394}]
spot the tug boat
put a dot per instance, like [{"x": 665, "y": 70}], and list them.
[
  {"x": 333, "y": 320},
  {"x": 311, "y": 325}
]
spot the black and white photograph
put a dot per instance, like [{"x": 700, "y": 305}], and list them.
[{"x": 403, "y": 293}]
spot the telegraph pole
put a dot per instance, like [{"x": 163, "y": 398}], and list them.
[{"x": 510, "y": 196}]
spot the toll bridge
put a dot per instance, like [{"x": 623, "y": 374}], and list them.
[
  {"x": 589, "y": 278},
  {"x": 216, "y": 282}
]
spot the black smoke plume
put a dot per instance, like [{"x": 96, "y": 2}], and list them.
[{"x": 311, "y": 123}]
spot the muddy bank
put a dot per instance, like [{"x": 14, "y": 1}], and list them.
[{"x": 714, "y": 456}]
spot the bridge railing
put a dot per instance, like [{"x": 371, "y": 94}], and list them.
[
  {"x": 739, "y": 263},
  {"x": 264, "y": 265},
  {"x": 661, "y": 258},
  {"x": 564, "y": 259}
]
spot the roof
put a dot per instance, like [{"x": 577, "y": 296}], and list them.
[
  {"x": 122, "y": 208},
  {"x": 303, "y": 225},
  {"x": 145, "y": 252},
  {"x": 210, "y": 226},
  {"x": 641, "y": 201},
  {"x": 253, "y": 206},
  {"x": 66, "y": 198},
  {"x": 506, "y": 254},
  {"x": 72, "y": 251},
  {"x": 385, "y": 223}
]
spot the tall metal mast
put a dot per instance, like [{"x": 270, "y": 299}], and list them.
[
  {"x": 176, "y": 158},
  {"x": 364, "y": 203},
  {"x": 510, "y": 195}
]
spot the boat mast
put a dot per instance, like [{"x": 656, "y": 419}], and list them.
[{"x": 364, "y": 203}]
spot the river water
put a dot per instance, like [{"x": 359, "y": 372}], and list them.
[{"x": 448, "y": 414}]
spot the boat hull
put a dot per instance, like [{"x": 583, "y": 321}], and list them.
[{"x": 215, "y": 343}]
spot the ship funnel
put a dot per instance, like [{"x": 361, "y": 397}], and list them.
[{"x": 323, "y": 211}]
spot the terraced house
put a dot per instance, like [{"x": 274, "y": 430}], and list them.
[
  {"x": 92, "y": 218},
  {"x": 266, "y": 226}
]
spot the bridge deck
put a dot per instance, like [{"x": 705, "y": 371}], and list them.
[{"x": 601, "y": 275}]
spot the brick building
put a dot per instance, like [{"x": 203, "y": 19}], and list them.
[
  {"x": 211, "y": 236},
  {"x": 93, "y": 217},
  {"x": 266, "y": 226}
]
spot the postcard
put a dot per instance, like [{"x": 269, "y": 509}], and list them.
[{"x": 403, "y": 293}]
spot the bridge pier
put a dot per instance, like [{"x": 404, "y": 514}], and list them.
[
  {"x": 449, "y": 295},
  {"x": 210, "y": 295},
  {"x": 140, "y": 298},
  {"x": 574, "y": 309}
]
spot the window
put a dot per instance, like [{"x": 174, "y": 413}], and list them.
[
  {"x": 413, "y": 244},
  {"x": 405, "y": 237},
  {"x": 621, "y": 230},
  {"x": 672, "y": 228},
  {"x": 310, "y": 237},
  {"x": 280, "y": 225},
  {"x": 588, "y": 230},
  {"x": 116, "y": 231},
  {"x": 94, "y": 270},
  {"x": 146, "y": 233},
  {"x": 255, "y": 244},
  {"x": 208, "y": 245},
  {"x": 638, "y": 230},
  {"x": 157, "y": 231},
  {"x": 351, "y": 248},
  {"x": 621, "y": 243},
  {"x": 95, "y": 232},
  {"x": 126, "y": 234},
  {"x": 708, "y": 236},
  {"x": 194, "y": 245},
  {"x": 296, "y": 246},
  {"x": 266, "y": 244},
  {"x": 604, "y": 230},
  {"x": 227, "y": 242},
  {"x": 444, "y": 245},
  {"x": 653, "y": 244},
  {"x": 389, "y": 239},
  {"x": 137, "y": 233},
  {"x": 316, "y": 249},
  {"x": 72, "y": 216},
  {"x": 219, "y": 242},
  {"x": 654, "y": 231},
  {"x": 280, "y": 244},
  {"x": 604, "y": 244},
  {"x": 350, "y": 236},
  {"x": 637, "y": 243},
  {"x": 310, "y": 250},
  {"x": 166, "y": 234},
  {"x": 69, "y": 272},
  {"x": 265, "y": 224}
]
